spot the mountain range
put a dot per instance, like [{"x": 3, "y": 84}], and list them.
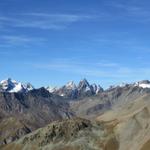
[
  {"x": 74, "y": 117},
  {"x": 70, "y": 90},
  {"x": 74, "y": 91}
]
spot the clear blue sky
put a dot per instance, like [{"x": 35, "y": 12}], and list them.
[{"x": 50, "y": 42}]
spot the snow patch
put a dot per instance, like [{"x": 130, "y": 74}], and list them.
[
  {"x": 144, "y": 85},
  {"x": 17, "y": 88}
]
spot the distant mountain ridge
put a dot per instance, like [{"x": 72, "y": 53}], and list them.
[
  {"x": 70, "y": 90},
  {"x": 74, "y": 91}
]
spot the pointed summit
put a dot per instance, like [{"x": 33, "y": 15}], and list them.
[
  {"x": 83, "y": 84},
  {"x": 97, "y": 88}
]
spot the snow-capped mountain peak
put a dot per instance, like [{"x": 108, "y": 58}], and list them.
[
  {"x": 71, "y": 90},
  {"x": 10, "y": 85}
]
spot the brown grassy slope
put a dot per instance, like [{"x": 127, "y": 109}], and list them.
[
  {"x": 73, "y": 134},
  {"x": 12, "y": 129}
]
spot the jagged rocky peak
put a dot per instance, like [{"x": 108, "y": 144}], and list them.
[
  {"x": 10, "y": 85},
  {"x": 28, "y": 86},
  {"x": 84, "y": 85},
  {"x": 71, "y": 85},
  {"x": 97, "y": 88}
]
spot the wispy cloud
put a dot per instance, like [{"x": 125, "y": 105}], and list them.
[
  {"x": 95, "y": 69},
  {"x": 42, "y": 20},
  {"x": 129, "y": 10},
  {"x": 122, "y": 41},
  {"x": 103, "y": 69},
  {"x": 66, "y": 62},
  {"x": 120, "y": 73},
  {"x": 13, "y": 40},
  {"x": 59, "y": 21},
  {"x": 74, "y": 68}
]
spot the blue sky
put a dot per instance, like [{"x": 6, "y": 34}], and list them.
[{"x": 51, "y": 42}]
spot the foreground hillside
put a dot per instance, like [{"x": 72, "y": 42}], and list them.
[{"x": 74, "y": 134}]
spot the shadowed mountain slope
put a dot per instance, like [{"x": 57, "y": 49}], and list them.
[{"x": 33, "y": 109}]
